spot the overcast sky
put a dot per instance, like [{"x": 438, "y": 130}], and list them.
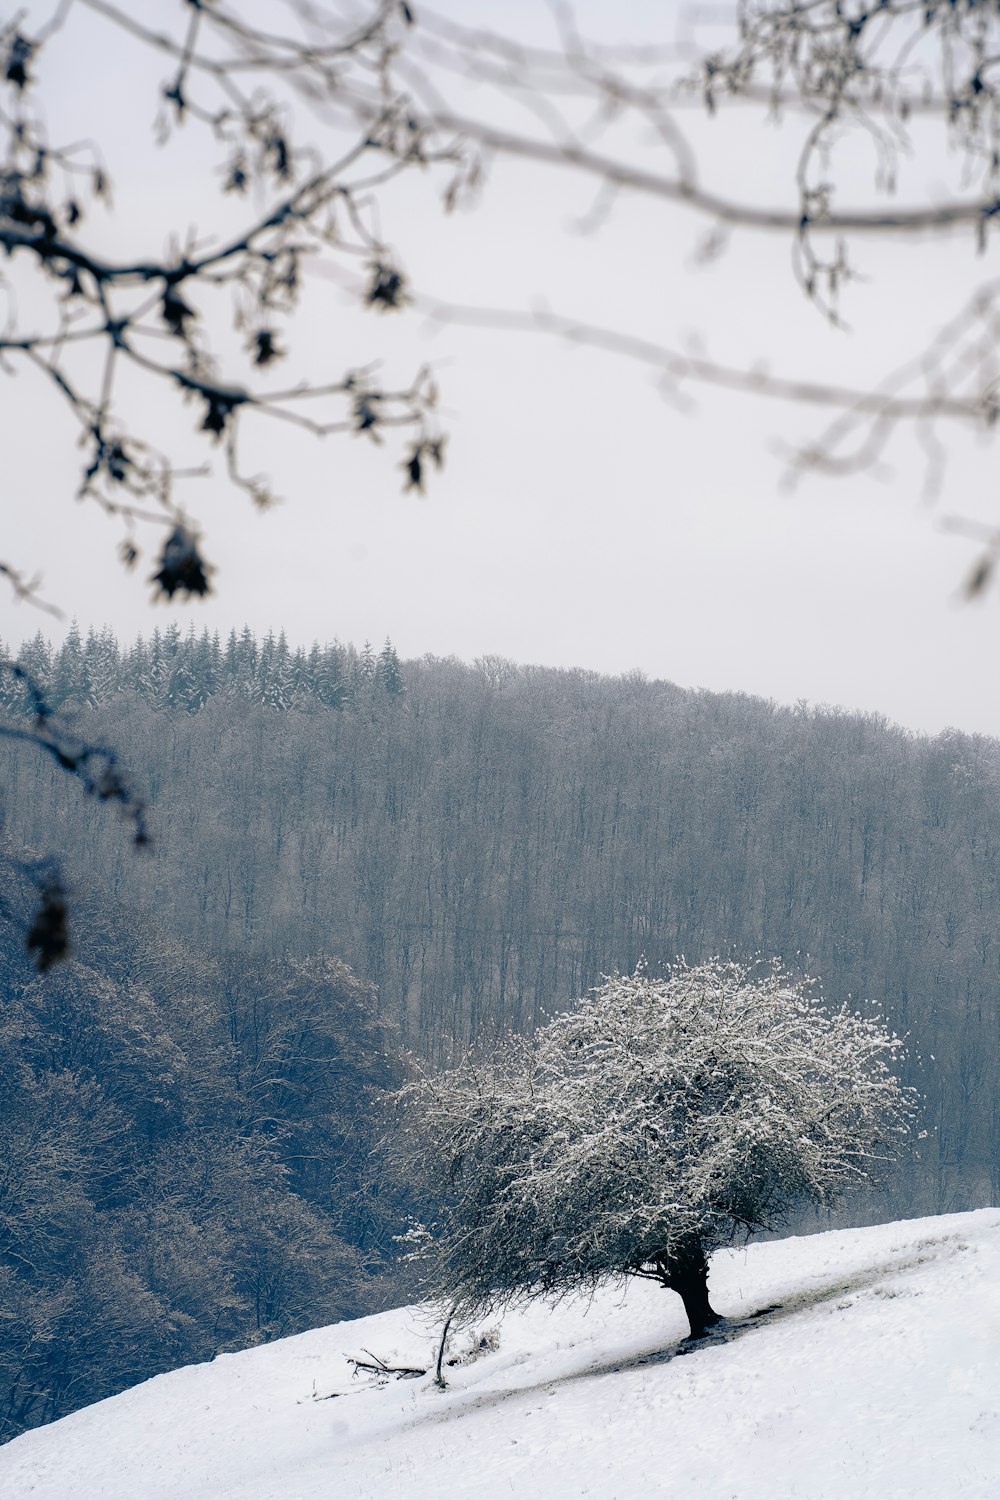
[{"x": 582, "y": 519}]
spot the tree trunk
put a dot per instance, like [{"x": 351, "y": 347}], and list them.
[{"x": 686, "y": 1273}]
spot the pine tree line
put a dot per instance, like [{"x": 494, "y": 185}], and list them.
[{"x": 183, "y": 671}]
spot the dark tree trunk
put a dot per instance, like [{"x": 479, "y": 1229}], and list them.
[{"x": 686, "y": 1273}]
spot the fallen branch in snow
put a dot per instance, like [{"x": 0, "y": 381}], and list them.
[{"x": 378, "y": 1367}]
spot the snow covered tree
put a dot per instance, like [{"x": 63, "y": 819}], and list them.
[
  {"x": 633, "y": 1136},
  {"x": 68, "y": 685},
  {"x": 35, "y": 658},
  {"x": 364, "y": 668},
  {"x": 102, "y": 666},
  {"x": 388, "y": 673}
]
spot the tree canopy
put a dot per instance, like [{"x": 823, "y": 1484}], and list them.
[
  {"x": 659, "y": 1120},
  {"x": 183, "y": 1160}
]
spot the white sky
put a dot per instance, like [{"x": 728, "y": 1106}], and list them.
[{"x": 582, "y": 520}]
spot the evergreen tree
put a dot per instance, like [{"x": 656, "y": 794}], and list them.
[
  {"x": 245, "y": 676},
  {"x": 206, "y": 665},
  {"x": 333, "y": 675},
  {"x": 12, "y": 693},
  {"x": 388, "y": 673},
  {"x": 283, "y": 675},
  {"x": 137, "y": 668},
  {"x": 35, "y": 657},
  {"x": 69, "y": 685},
  {"x": 230, "y": 663},
  {"x": 265, "y": 662},
  {"x": 185, "y": 691},
  {"x": 361, "y": 674},
  {"x": 274, "y": 673},
  {"x": 161, "y": 668},
  {"x": 300, "y": 678},
  {"x": 313, "y": 671},
  {"x": 102, "y": 667}
]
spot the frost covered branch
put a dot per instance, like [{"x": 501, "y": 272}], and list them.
[{"x": 658, "y": 1121}]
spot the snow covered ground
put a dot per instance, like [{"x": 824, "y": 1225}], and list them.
[{"x": 879, "y": 1376}]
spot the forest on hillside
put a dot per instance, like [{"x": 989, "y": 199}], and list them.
[
  {"x": 479, "y": 843},
  {"x": 185, "y": 1159}
]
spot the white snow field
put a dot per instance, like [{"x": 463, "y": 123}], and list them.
[{"x": 879, "y": 1376}]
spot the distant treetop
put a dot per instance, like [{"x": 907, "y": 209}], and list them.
[{"x": 183, "y": 672}]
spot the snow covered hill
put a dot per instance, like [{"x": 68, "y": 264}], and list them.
[{"x": 878, "y": 1376}]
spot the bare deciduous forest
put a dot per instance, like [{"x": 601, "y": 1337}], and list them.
[{"x": 483, "y": 842}]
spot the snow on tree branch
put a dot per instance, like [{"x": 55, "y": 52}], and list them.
[{"x": 659, "y": 1120}]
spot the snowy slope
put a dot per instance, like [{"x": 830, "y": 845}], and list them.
[{"x": 878, "y": 1377}]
